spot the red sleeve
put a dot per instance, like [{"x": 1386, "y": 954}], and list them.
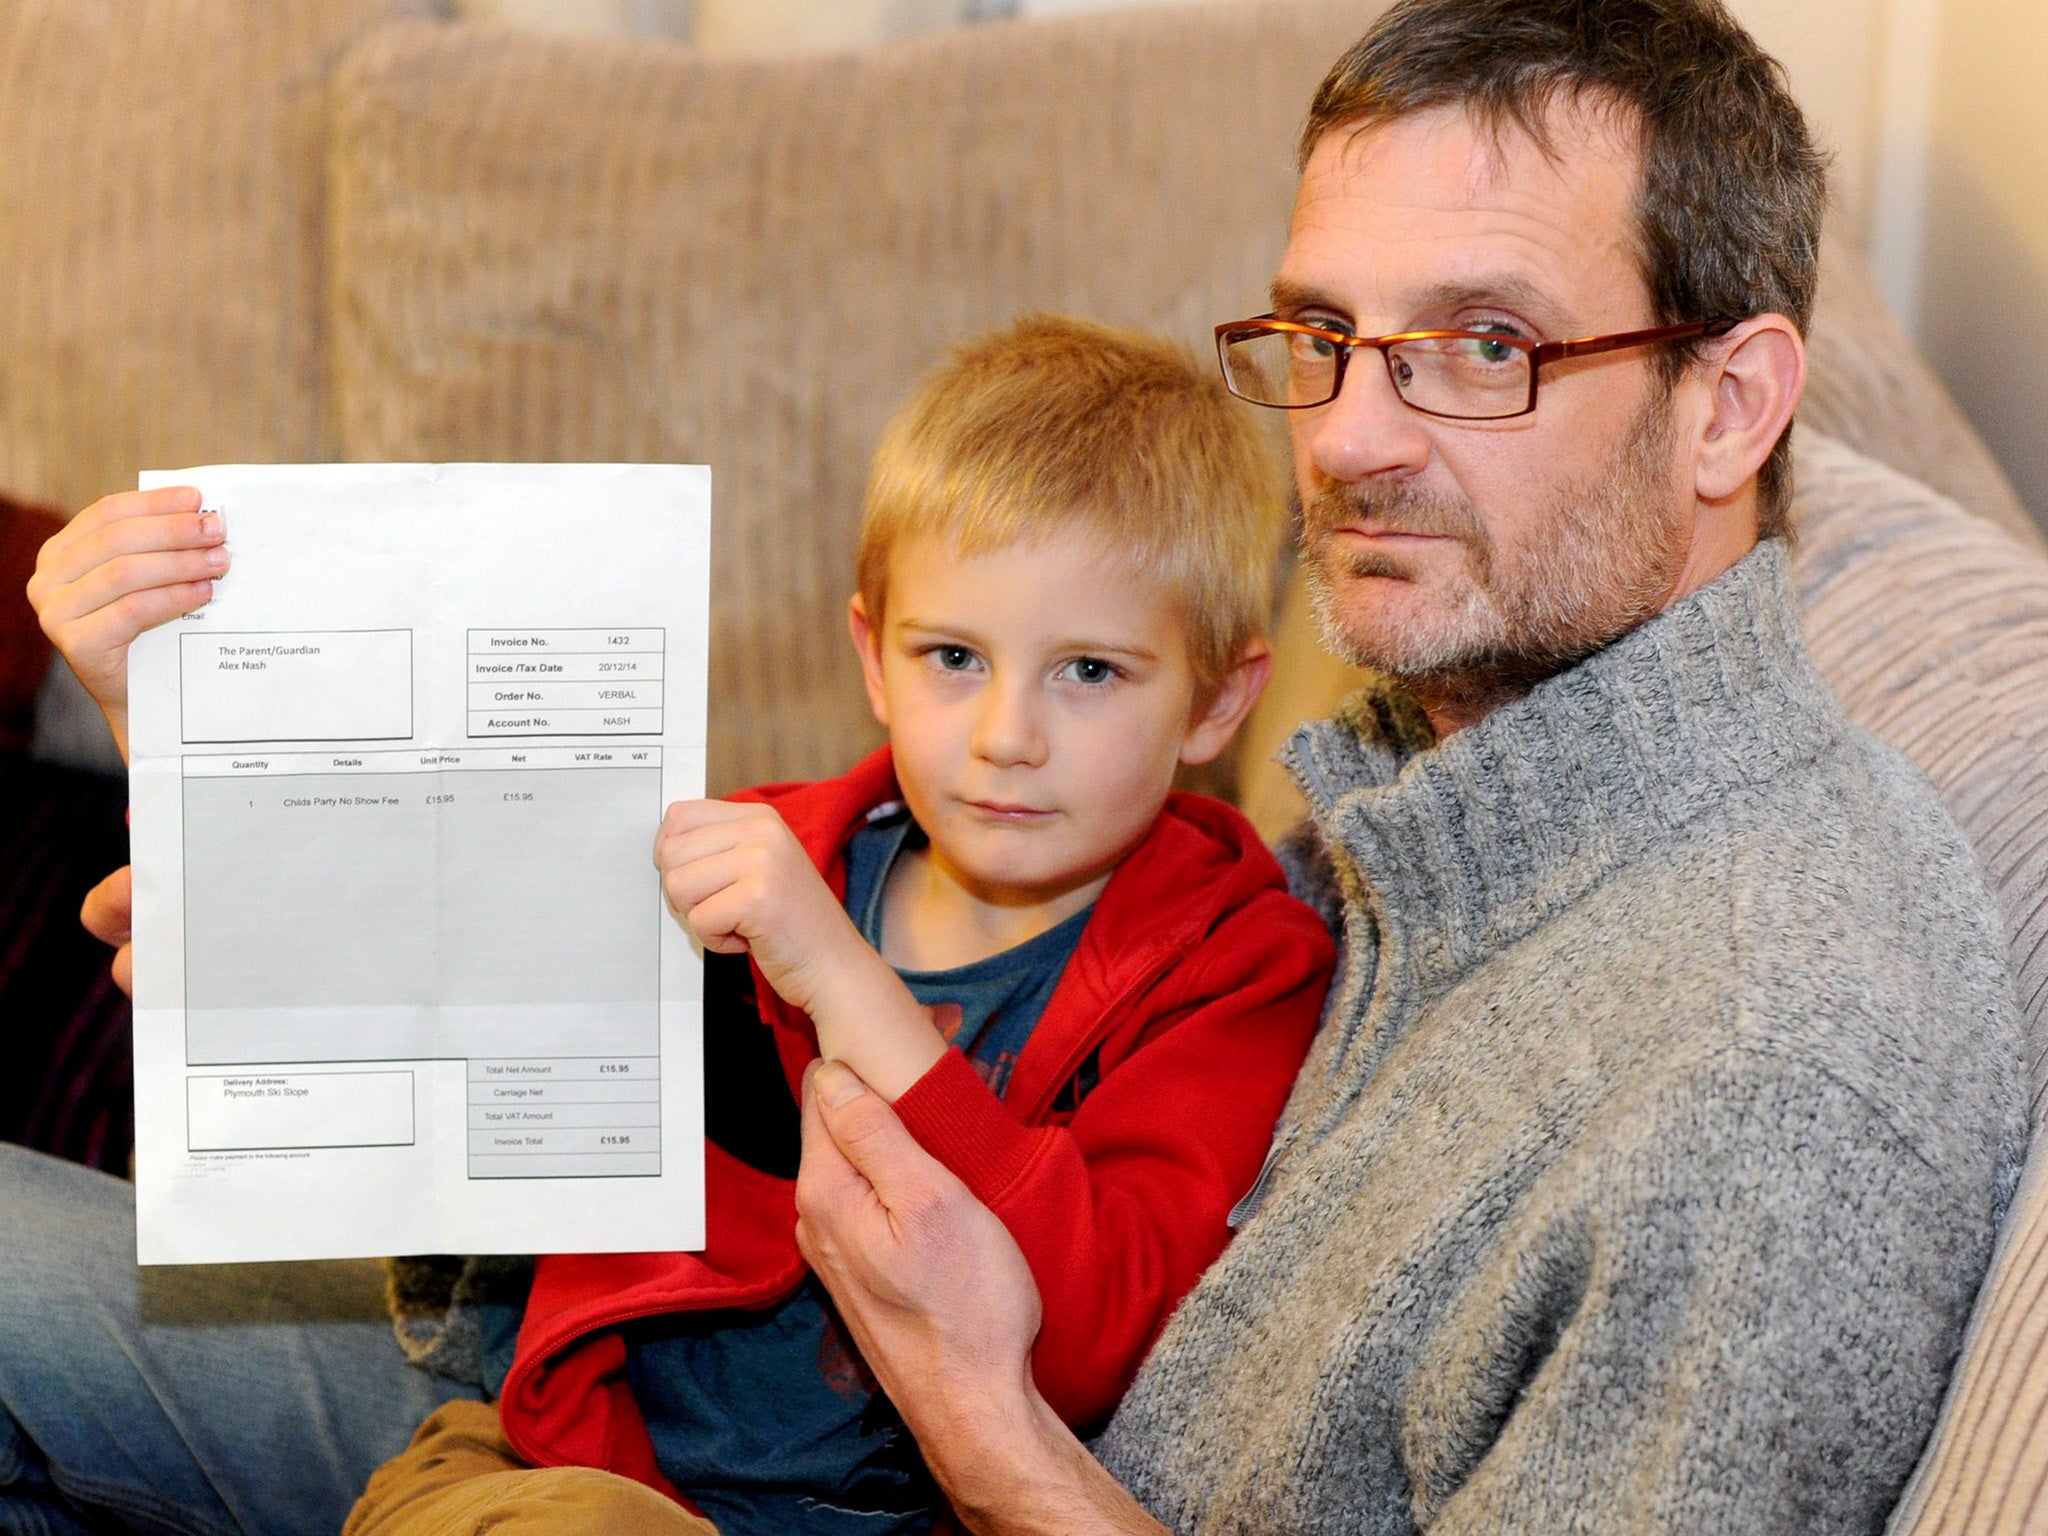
[{"x": 1120, "y": 1211}]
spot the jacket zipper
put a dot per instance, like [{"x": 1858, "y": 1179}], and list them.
[{"x": 1248, "y": 1207}]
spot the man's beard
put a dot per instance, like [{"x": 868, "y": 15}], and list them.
[{"x": 1605, "y": 557}]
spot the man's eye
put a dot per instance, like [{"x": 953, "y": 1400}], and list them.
[{"x": 1318, "y": 347}]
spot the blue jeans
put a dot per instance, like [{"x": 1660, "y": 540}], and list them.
[{"x": 224, "y": 1400}]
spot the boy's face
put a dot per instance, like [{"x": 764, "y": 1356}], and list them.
[{"x": 1038, "y": 699}]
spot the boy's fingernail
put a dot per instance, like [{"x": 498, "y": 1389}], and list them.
[
  {"x": 209, "y": 525},
  {"x": 836, "y": 1083},
  {"x": 217, "y": 558}
]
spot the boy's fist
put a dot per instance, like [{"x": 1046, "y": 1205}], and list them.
[
  {"x": 738, "y": 879},
  {"x": 125, "y": 564}
]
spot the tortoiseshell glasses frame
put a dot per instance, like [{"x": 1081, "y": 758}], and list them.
[{"x": 1459, "y": 375}]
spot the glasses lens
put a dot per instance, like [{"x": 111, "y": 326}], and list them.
[
  {"x": 1283, "y": 368},
  {"x": 1474, "y": 378}
]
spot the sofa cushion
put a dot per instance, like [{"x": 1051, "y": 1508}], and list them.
[
  {"x": 1869, "y": 387},
  {"x": 1985, "y": 1469},
  {"x": 160, "y": 168},
  {"x": 564, "y": 248},
  {"x": 1931, "y": 626}
]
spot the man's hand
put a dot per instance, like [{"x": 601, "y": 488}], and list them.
[
  {"x": 942, "y": 1304},
  {"x": 109, "y": 915},
  {"x": 125, "y": 564},
  {"x": 738, "y": 879}
]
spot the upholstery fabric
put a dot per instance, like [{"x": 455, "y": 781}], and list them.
[
  {"x": 1931, "y": 627},
  {"x": 1985, "y": 1471},
  {"x": 161, "y": 172},
  {"x": 1869, "y": 388},
  {"x": 582, "y": 248}
]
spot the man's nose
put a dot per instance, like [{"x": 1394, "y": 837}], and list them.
[
  {"x": 1008, "y": 731},
  {"x": 1367, "y": 432}
]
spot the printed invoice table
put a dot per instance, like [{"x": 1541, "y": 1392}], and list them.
[{"x": 404, "y": 979}]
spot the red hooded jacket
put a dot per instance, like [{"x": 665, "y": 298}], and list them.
[{"x": 1137, "y": 1113}]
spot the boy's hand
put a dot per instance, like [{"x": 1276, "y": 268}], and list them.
[
  {"x": 738, "y": 879},
  {"x": 109, "y": 916},
  {"x": 125, "y": 564}
]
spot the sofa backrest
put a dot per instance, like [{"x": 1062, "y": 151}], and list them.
[
  {"x": 548, "y": 247},
  {"x": 484, "y": 243},
  {"x": 161, "y": 172},
  {"x": 592, "y": 249}
]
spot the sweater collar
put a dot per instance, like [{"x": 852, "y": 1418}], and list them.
[{"x": 1460, "y": 849}]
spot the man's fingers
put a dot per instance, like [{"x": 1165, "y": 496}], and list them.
[
  {"x": 829, "y": 1189},
  {"x": 866, "y": 1132}
]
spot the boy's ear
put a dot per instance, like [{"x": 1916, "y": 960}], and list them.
[
  {"x": 1211, "y": 729},
  {"x": 867, "y": 640}
]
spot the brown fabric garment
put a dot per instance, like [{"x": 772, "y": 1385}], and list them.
[
  {"x": 459, "y": 1476},
  {"x": 24, "y": 650}
]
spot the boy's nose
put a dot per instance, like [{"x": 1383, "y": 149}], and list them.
[{"x": 1008, "y": 732}]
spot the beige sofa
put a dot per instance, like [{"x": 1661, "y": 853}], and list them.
[{"x": 352, "y": 229}]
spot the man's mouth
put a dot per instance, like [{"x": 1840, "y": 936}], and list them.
[{"x": 1377, "y": 535}]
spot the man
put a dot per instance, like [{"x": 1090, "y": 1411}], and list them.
[
  {"x": 1654, "y": 1140},
  {"x": 1650, "y": 1155}
]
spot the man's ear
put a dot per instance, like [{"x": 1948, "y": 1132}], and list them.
[
  {"x": 1757, "y": 372},
  {"x": 1213, "y": 726},
  {"x": 867, "y": 640}
]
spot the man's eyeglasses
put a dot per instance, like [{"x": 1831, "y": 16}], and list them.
[{"x": 1462, "y": 375}]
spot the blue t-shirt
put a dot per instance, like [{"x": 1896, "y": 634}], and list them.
[{"x": 769, "y": 1420}]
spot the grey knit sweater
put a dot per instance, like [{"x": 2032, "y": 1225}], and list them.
[{"x": 1650, "y": 1154}]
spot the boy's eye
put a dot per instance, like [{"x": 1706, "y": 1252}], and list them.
[
  {"x": 953, "y": 658},
  {"x": 1092, "y": 670}
]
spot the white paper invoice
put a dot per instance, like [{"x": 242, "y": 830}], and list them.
[{"x": 404, "y": 980}]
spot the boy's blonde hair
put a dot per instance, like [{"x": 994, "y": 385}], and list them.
[{"x": 1054, "y": 425}]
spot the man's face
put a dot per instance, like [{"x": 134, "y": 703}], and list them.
[{"x": 1476, "y": 557}]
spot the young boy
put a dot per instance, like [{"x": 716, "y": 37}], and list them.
[{"x": 1085, "y": 994}]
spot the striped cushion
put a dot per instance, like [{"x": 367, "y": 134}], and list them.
[
  {"x": 1986, "y": 1468},
  {"x": 162, "y": 171},
  {"x": 590, "y": 248},
  {"x": 1932, "y": 626}
]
